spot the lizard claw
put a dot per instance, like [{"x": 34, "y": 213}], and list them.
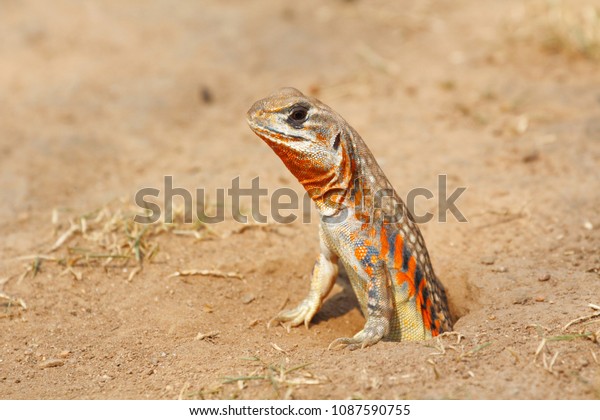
[
  {"x": 374, "y": 331},
  {"x": 342, "y": 343},
  {"x": 301, "y": 314},
  {"x": 277, "y": 321}
]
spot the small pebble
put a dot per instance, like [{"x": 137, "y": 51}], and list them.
[
  {"x": 521, "y": 300},
  {"x": 488, "y": 260},
  {"x": 205, "y": 94},
  {"x": 545, "y": 277},
  {"x": 521, "y": 124},
  {"x": 531, "y": 157},
  {"x": 500, "y": 269},
  {"x": 247, "y": 298},
  {"x": 540, "y": 299}
]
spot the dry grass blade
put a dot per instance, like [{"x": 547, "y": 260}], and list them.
[
  {"x": 193, "y": 233},
  {"x": 514, "y": 354},
  {"x": 36, "y": 265},
  {"x": 539, "y": 349},
  {"x": 441, "y": 350},
  {"x": 134, "y": 273},
  {"x": 13, "y": 300},
  {"x": 561, "y": 27},
  {"x": 182, "y": 391},
  {"x": 553, "y": 360},
  {"x": 568, "y": 337},
  {"x": 471, "y": 352},
  {"x": 277, "y": 375},
  {"x": 539, "y": 329},
  {"x": 77, "y": 275},
  {"x": 584, "y": 318},
  {"x": 28, "y": 270},
  {"x": 458, "y": 335},
  {"x": 303, "y": 381},
  {"x": 87, "y": 254},
  {"x": 209, "y": 273},
  {"x": 54, "y": 218},
  {"x": 37, "y": 256},
  {"x": 478, "y": 348},
  {"x": 292, "y": 369},
  {"x": 279, "y": 349},
  {"x": 233, "y": 379},
  {"x": 548, "y": 365},
  {"x": 207, "y": 336},
  {"x": 252, "y": 226},
  {"x": 108, "y": 237},
  {"x": 436, "y": 373},
  {"x": 137, "y": 245},
  {"x": 65, "y": 236}
]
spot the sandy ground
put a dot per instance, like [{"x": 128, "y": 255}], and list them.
[{"x": 100, "y": 99}]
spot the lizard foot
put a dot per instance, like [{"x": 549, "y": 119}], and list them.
[
  {"x": 302, "y": 313},
  {"x": 374, "y": 331}
]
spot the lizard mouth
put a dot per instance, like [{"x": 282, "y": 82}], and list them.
[
  {"x": 255, "y": 126},
  {"x": 271, "y": 134}
]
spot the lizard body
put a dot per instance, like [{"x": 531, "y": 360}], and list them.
[{"x": 364, "y": 225}]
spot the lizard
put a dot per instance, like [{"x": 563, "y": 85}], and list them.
[{"x": 364, "y": 224}]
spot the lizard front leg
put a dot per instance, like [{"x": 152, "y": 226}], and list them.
[
  {"x": 380, "y": 309},
  {"x": 324, "y": 274}
]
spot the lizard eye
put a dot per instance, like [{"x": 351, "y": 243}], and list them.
[{"x": 298, "y": 115}]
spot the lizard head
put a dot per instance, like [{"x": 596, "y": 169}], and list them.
[{"x": 310, "y": 138}]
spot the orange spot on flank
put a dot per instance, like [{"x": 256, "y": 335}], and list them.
[
  {"x": 398, "y": 252},
  {"x": 360, "y": 252}
]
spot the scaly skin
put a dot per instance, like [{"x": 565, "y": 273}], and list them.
[{"x": 364, "y": 224}]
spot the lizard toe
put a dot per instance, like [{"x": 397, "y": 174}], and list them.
[
  {"x": 302, "y": 314},
  {"x": 372, "y": 333},
  {"x": 341, "y": 343}
]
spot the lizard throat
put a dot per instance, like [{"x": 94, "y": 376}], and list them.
[{"x": 328, "y": 185}]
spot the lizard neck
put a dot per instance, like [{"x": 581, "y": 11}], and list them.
[
  {"x": 332, "y": 187},
  {"x": 350, "y": 184},
  {"x": 329, "y": 184}
]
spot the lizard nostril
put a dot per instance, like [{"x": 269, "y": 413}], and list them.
[{"x": 254, "y": 111}]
